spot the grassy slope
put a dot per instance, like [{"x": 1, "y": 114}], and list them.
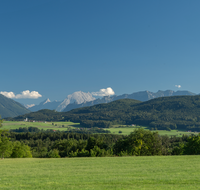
[{"x": 164, "y": 172}]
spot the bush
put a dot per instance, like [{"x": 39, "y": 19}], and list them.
[
  {"x": 193, "y": 146},
  {"x": 53, "y": 154},
  {"x": 21, "y": 150},
  {"x": 139, "y": 143}
]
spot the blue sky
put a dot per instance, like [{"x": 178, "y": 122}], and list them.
[{"x": 57, "y": 47}]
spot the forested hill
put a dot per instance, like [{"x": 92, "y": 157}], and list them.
[
  {"x": 11, "y": 108},
  {"x": 52, "y": 115},
  {"x": 181, "y": 112}
]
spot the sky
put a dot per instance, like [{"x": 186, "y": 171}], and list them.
[{"x": 52, "y": 48}]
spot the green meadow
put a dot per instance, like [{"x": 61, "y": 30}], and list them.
[
  {"x": 153, "y": 172},
  {"x": 64, "y": 126},
  {"x": 48, "y": 125},
  {"x": 126, "y": 130}
]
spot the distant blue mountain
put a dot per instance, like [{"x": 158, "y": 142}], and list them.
[{"x": 142, "y": 96}]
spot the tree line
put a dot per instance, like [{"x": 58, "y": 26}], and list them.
[
  {"x": 78, "y": 130},
  {"x": 59, "y": 144}
]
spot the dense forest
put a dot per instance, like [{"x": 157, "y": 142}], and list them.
[
  {"x": 177, "y": 112},
  {"x": 60, "y": 144}
]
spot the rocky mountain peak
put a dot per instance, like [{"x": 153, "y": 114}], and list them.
[
  {"x": 77, "y": 97},
  {"x": 45, "y": 101}
]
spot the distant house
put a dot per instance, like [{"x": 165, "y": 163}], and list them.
[{"x": 132, "y": 124}]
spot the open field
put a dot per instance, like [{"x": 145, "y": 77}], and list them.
[
  {"x": 153, "y": 172},
  {"x": 48, "y": 125},
  {"x": 126, "y": 130}
]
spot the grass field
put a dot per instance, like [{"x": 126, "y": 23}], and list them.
[
  {"x": 48, "y": 125},
  {"x": 70, "y": 125},
  {"x": 127, "y": 130},
  {"x": 153, "y": 172}
]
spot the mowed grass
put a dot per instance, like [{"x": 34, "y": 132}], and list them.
[
  {"x": 48, "y": 125},
  {"x": 153, "y": 172}
]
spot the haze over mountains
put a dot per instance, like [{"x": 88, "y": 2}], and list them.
[{"x": 82, "y": 99}]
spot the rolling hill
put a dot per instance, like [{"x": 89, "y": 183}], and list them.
[{"x": 81, "y": 99}]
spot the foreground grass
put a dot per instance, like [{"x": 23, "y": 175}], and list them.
[{"x": 158, "y": 172}]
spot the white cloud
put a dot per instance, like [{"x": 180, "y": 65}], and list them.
[
  {"x": 178, "y": 86},
  {"x": 8, "y": 94},
  {"x": 24, "y": 95},
  {"x": 104, "y": 92},
  {"x": 28, "y": 94}
]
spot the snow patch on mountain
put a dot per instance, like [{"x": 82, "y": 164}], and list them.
[
  {"x": 28, "y": 105},
  {"x": 45, "y": 102}
]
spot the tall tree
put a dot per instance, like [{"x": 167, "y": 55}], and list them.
[
  {"x": 140, "y": 143},
  {"x": 193, "y": 146}
]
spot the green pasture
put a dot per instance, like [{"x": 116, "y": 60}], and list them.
[
  {"x": 126, "y": 130},
  {"x": 153, "y": 172},
  {"x": 48, "y": 125}
]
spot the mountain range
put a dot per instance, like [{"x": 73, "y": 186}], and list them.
[
  {"x": 81, "y": 99},
  {"x": 76, "y": 98},
  {"x": 11, "y": 108}
]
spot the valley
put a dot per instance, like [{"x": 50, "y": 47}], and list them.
[{"x": 180, "y": 113}]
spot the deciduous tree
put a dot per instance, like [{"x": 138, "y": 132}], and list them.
[
  {"x": 5, "y": 144},
  {"x": 20, "y": 150}
]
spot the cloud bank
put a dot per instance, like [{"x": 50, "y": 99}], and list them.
[
  {"x": 178, "y": 86},
  {"x": 24, "y": 95},
  {"x": 104, "y": 92}
]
